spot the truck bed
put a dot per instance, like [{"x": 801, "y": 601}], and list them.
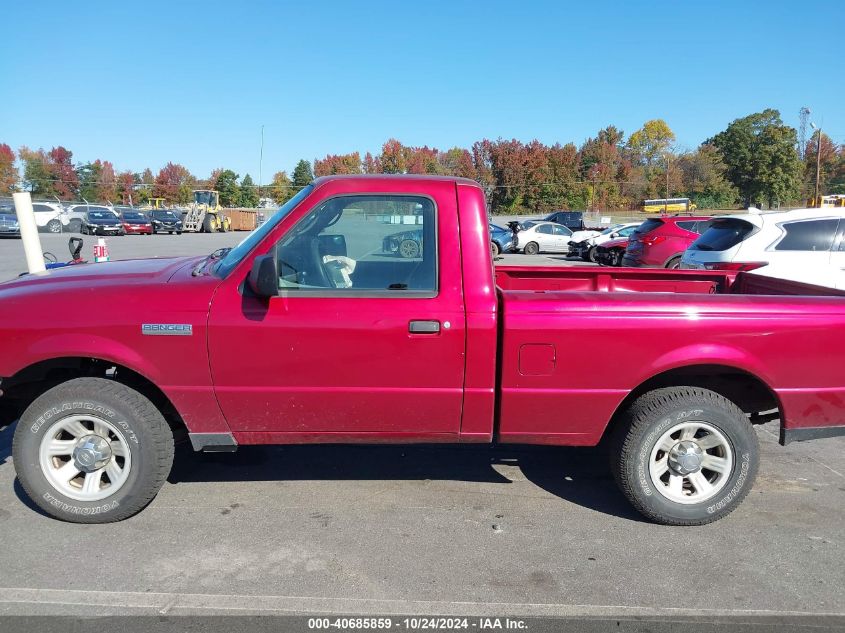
[
  {"x": 576, "y": 342},
  {"x": 605, "y": 279}
]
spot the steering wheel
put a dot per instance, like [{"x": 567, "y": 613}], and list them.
[{"x": 319, "y": 267}]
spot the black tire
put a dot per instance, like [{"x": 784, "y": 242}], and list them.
[
  {"x": 178, "y": 232},
  {"x": 616, "y": 258},
  {"x": 674, "y": 263},
  {"x": 208, "y": 224},
  {"x": 144, "y": 430},
  {"x": 54, "y": 226},
  {"x": 75, "y": 226},
  {"x": 532, "y": 248},
  {"x": 170, "y": 232},
  {"x": 494, "y": 249},
  {"x": 409, "y": 249},
  {"x": 649, "y": 419}
]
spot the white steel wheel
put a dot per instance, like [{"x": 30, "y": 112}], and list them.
[
  {"x": 85, "y": 457},
  {"x": 691, "y": 462}
]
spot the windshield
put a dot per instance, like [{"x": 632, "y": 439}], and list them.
[
  {"x": 611, "y": 229},
  {"x": 225, "y": 265},
  {"x": 101, "y": 215},
  {"x": 165, "y": 215},
  {"x": 133, "y": 216}
]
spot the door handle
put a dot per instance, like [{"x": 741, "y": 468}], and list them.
[{"x": 424, "y": 327}]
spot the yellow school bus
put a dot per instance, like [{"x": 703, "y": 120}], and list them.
[{"x": 668, "y": 205}]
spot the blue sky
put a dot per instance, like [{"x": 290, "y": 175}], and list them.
[{"x": 143, "y": 83}]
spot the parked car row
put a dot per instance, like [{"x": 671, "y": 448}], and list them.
[{"x": 92, "y": 219}]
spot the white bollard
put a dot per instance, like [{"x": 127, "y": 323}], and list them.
[{"x": 29, "y": 233}]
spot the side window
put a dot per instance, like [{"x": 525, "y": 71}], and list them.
[
  {"x": 688, "y": 225},
  {"x": 382, "y": 243},
  {"x": 545, "y": 229},
  {"x": 809, "y": 235},
  {"x": 562, "y": 230},
  {"x": 627, "y": 231},
  {"x": 41, "y": 208}
]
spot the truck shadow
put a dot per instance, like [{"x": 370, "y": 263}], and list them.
[{"x": 577, "y": 475}]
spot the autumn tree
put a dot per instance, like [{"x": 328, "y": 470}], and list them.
[
  {"x": 761, "y": 157},
  {"x": 393, "y": 157},
  {"x": 371, "y": 165},
  {"x": 174, "y": 183},
  {"x": 249, "y": 193},
  {"x": 281, "y": 188},
  {"x": 650, "y": 143},
  {"x": 302, "y": 174},
  {"x": 338, "y": 164},
  {"x": 829, "y": 163},
  {"x": 457, "y": 162},
  {"x": 49, "y": 174},
  {"x": 8, "y": 172},
  {"x": 126, "y": 187},
  {"x": 603, "y": 167}
]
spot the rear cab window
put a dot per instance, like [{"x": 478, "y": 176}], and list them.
[{"x": 723, "y": 234}]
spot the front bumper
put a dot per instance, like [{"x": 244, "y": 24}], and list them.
[{"x": 102, "y": 230}]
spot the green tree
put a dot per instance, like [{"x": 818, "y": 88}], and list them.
[
  {"x": 227, "y": 186},
  {"x": 761, "y": 158},
  {"x": 249, "y": 193},
  {"x": 302, "y": 174},
  {"x": 703, "y": 179},
  {"x": 89, "y": 178}
]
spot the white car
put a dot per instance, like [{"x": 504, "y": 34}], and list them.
[
  {"x": 802, "y": 245},
  {"x": 584, "y": 247},
  {"x": 542, "y": 237},
  {"x": 50, "y": 217},
  {"x": 77, "y": 214}
]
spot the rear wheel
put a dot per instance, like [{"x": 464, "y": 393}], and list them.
[
  {"x": 685, "y": 456},
  {"x": 75, "y": 226},
  {"x": 674, "y": 263},
  {"x": 54, "y": 226},
  {"x": 92, "y": 450},
  {"x": 409, "y": 249},
  {"x": 532, "y": 248}
]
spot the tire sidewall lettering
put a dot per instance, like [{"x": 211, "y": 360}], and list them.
[
  {"x": 644, "y": 455},
  {"x": 56, "y": 412}
]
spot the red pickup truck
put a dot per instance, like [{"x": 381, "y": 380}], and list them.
[{"x": 315, "y": 330}]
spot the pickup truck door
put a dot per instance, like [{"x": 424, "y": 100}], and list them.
[{"x": 368, "y": 333}]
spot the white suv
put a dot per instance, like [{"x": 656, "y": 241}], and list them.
[
  {"x": 50, "y": 217},
  {"x": 802, "y": 245}
]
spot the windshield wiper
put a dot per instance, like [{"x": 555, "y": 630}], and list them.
[{"x": 220, "y": 253}]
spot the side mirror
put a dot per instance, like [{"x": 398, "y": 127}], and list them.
[
  {"x": 334, "y": 245},
  {"x": 614, "y": 235},
  {"x": 264, "y": 277}
]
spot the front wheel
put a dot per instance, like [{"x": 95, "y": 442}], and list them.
[
  {"x": 674, "y": 263},
  {"x": 685, "y": 456},
  {"x": 92, "y": 450},
  {"x": 409, "y": 249},
  {"x": 494, "y": 249},
  {"x": 54, "y": 226},
  {"x": 616, "y": 257},
  {"x": 532, "y": 248}
]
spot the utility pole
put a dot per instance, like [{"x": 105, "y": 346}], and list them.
[
  {"x": 816, "y": 199},
  {"x": 666, "y": 204},
  {"x": 260, "y": 164}
]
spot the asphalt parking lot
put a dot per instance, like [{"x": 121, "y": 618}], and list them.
[{"x": 423, "y": 529}]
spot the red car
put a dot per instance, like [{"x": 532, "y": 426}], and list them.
[
  {"x": 135, "y": 222},
  {"x": 306, "y": 333},
  {"x": 660, "y": 242},
  {"x": 611, "y": 253}
]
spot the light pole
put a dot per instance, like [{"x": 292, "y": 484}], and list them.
[
  {"x": 666, "y": 204},
  {"x": 816, "y": 200}
]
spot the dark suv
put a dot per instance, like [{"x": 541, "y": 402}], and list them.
[
  {"x": 660, "y": 242},
  {"x": 573, "y": 220}
]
